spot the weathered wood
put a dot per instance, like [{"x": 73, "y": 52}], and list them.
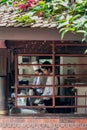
[{"x": 3, "y": 96}]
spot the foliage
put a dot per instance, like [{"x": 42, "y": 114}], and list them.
[
  {"x": 25, "y": 19},
  {"x": 7, "y": 2},
  {"x": 25, "y": 4},
  {"x": 69, "y": 17},
  {"x": 74, "y": 19}
]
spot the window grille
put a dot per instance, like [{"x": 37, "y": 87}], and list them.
[{"x": 69, "y": 66}]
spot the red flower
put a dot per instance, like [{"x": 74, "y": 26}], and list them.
[
  {"x": 22, "y": 6},
  {"x": 30, "y": 3}
]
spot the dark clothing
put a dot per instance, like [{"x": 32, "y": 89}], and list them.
[
  {"x": 30, "y": 101},
  {"x": 48, "y": 103}
]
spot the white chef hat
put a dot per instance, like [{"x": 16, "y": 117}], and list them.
[{"x": 35, "y": 67}]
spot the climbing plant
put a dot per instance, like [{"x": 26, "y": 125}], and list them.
[
  {"x": 7, "y": 2},
  {"x": 68, "y": 16}
]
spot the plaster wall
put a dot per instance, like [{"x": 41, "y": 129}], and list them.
[
  {"x": 11, "y": 33},
  {"x": 77, "y": 70}
]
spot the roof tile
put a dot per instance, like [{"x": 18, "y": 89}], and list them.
[{"x": 8, "y": 15}]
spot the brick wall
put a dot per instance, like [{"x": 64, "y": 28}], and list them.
[{"x": 43, "y": 123}]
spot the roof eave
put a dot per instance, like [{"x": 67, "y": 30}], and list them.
[{"x": 26, "y": 33}]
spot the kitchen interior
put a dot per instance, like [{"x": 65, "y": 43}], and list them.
[{"x": 72, "y": 70}]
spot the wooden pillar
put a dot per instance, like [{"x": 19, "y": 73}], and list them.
[
  {"x": 3, "y": 96},
  {"x": 3, "y": 82}
]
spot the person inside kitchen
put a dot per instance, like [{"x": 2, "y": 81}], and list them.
[
  {"x": 37, "y": 81},
  {"x": 48, "y": 90}
]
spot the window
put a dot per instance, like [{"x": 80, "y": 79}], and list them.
[{"x": 69, "y": 68}]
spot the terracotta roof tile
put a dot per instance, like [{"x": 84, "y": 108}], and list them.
[{"x": 8, "y": 15}]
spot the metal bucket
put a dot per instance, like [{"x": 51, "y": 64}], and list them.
[{"x": 3, "y": 96}]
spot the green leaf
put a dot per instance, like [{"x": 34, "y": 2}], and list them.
[
  {"x": 85, "y": 25},
  {"x": 62, "y": 29},
  {"x": 72, "y": 29},
  {"x": 85, "y": 16},
  {"x": 73, "y": 18},
  {"x": 81, "y": 31},
  {"x": 63, "y": 33},
  {"x": 62, "y": 24}
]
